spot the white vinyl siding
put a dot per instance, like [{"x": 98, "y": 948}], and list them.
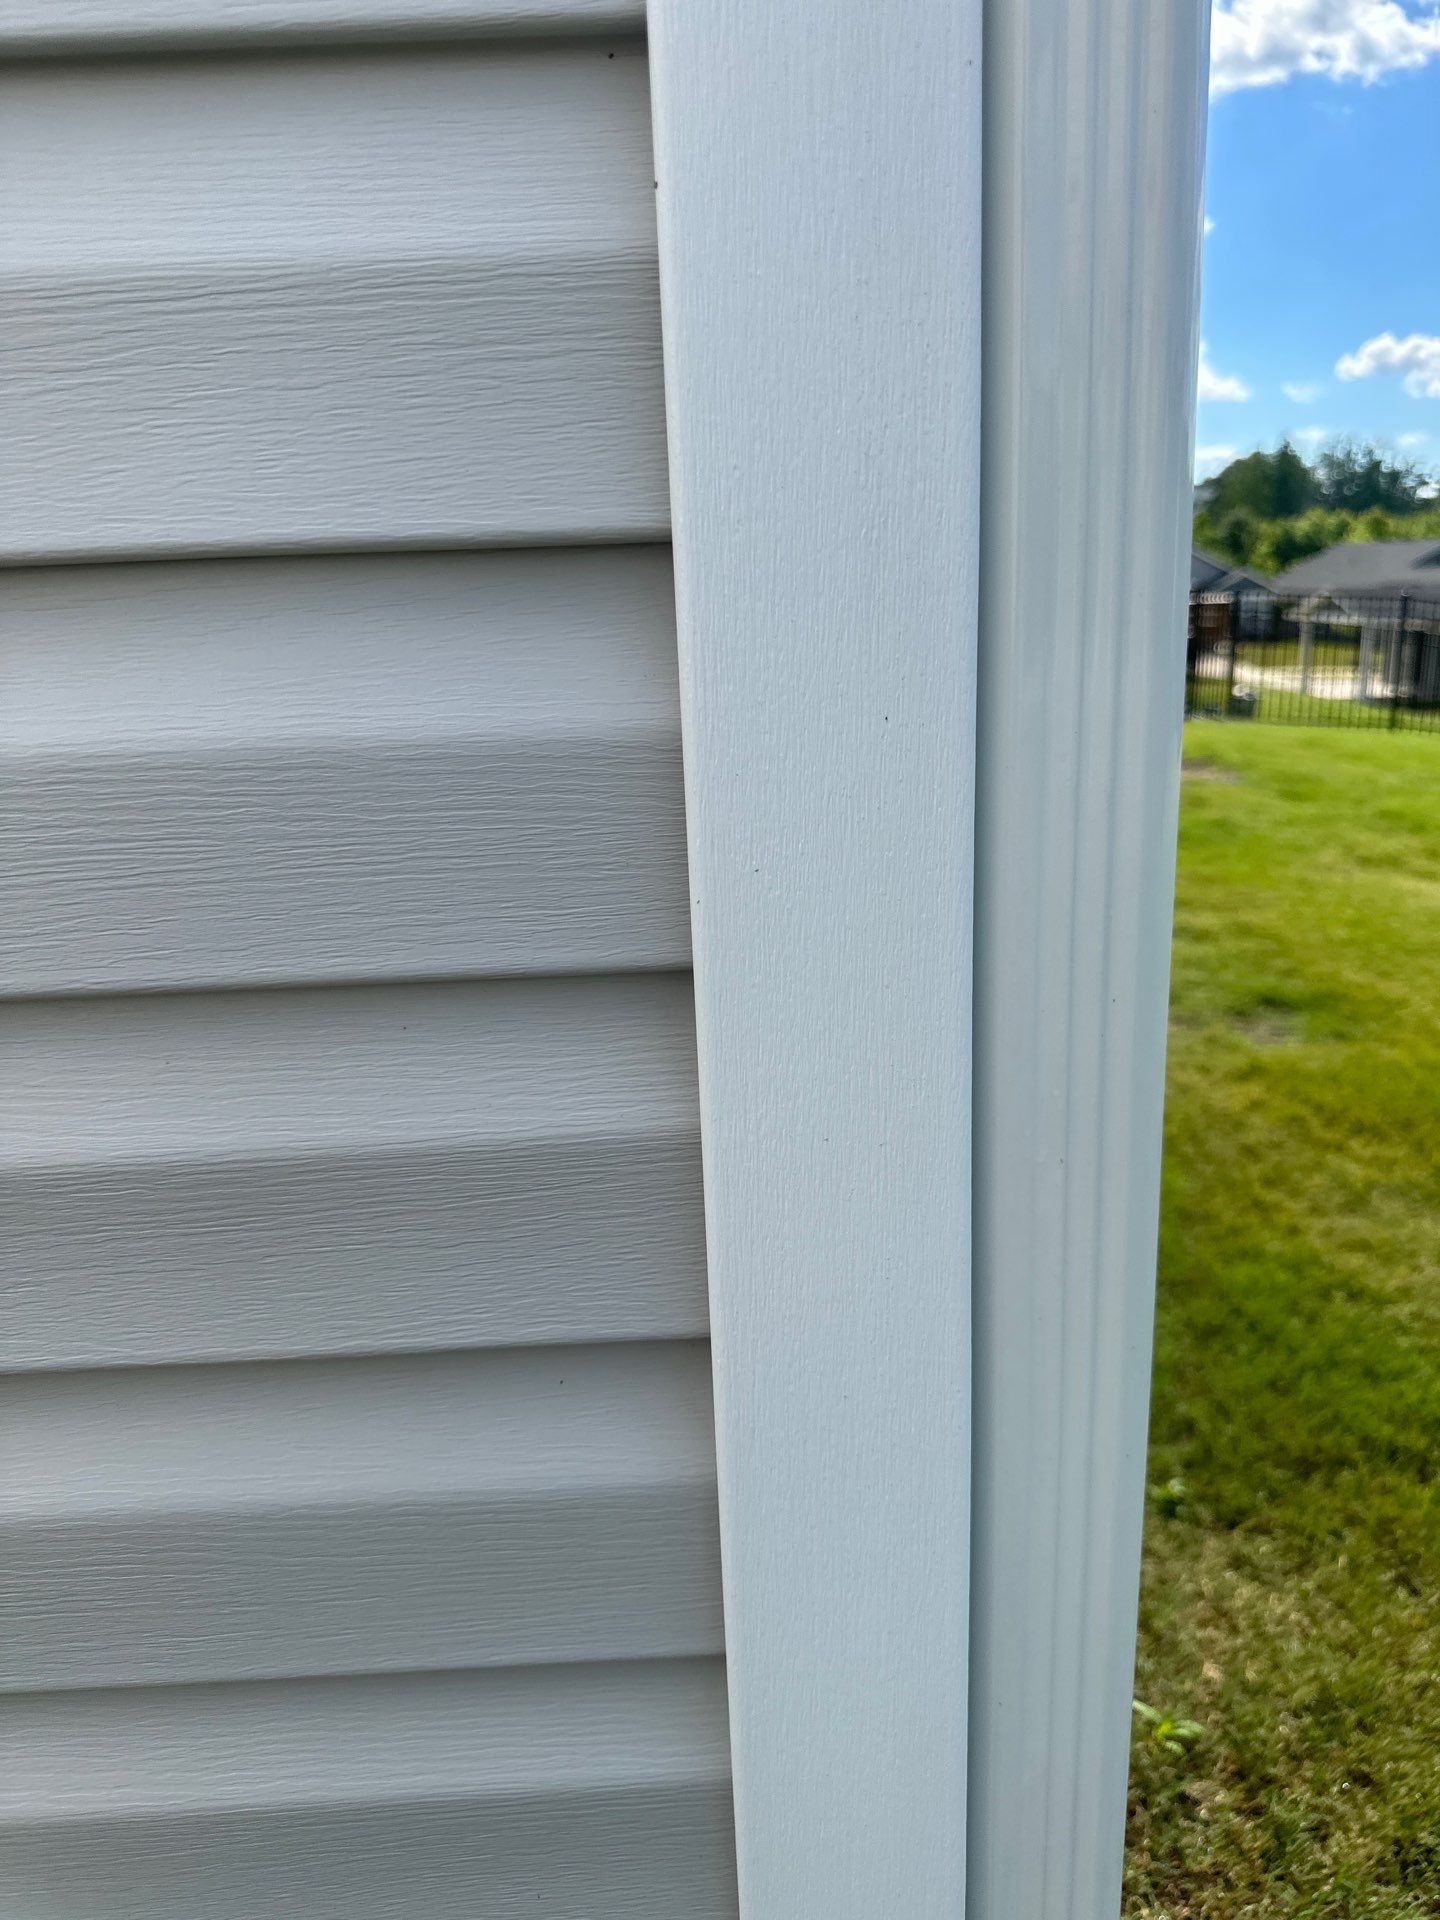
[
  {"x": 358, "y": 1547},
  {"x": 357, "y": 1170},
  {"x": 250, "y": 772},
  {"x": 58, "y": 26},
  {"x": 383, "y": 297},
  {"x": 574, "y": 1793},
  {"x": 358, "y": 1516}
]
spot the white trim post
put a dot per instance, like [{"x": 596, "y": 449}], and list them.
[
  {"x": 819, "y": 177},
  {"x": 1094, "y": 126}
]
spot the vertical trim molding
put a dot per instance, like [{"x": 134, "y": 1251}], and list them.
[
  {"x": 1094, "y": 130},
  {"x": 818, "y": 177}
]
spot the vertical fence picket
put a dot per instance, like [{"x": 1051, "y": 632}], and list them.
[
  {"x": 1232, "y": 652},
  {"x": 1402, "y": 636},
  {"x": 1315, "y": 659}
]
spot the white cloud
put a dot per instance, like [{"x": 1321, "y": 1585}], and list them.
[
  {"x": 1412, "y": 440},
  {"x": 1311, "y": 436},
  {"x": 1209, "y": 460},
  {"x": 1417, "y": 356},
  {"x": 1219, "y": 386},
  {"x": 1300, "y": 392},
  {"x": 1209, "y": 224},
  {"x": 1259, "y": 43}
]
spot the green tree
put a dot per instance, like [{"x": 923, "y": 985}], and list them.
[
  {"x": 1293, "y": 484},
  {"x": 1236, "y": 533},
  {"x": 1280, "y": 546},
  {"x": 1271, "y": 486},
  {"x": 1357, "y": 475},
  {"x": 1281, "y": 543},
  {"x": 1374, "y": 524},
  {"x": 1357, "y": 492}
]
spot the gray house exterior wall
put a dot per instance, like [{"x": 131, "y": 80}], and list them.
[{"x": 358, "y": 1544}]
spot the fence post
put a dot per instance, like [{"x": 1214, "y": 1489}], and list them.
[
  {"x": 1229, "y": 706},
  {"x": 1365, "y": 664},
  {"x": 1399, "y": 666},
  {"x": 1307, "y": 647}
]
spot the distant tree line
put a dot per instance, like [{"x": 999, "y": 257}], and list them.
[{"x": 1268, "y": 510}]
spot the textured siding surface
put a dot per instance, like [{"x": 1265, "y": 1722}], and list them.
[
  {"x": 399, "y": 297},
  {"x": 572, "y": 1793},
  {"x": 358, "y": 1170},
  {"x": 358, "y": 1539},
  {"x": 441, "y": 1510},
  {"x": 63, "y": 26},
  {"x": 252, "y": 772}
]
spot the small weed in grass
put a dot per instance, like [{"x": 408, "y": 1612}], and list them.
[
  {"x": 1163, "y": 1730},
  {"x": 1291, "y": 1599},
  {"x": 1173, "y": 1498}
]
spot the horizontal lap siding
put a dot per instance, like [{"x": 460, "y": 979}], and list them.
[
  {"x": 361, "y": 1170},
  {"x": 390, "y": 298},
  {"x": 439, "y": 1511},
  {"x": 41, "y": 27},
  {"x": 358, "y": 1553},
  {"x": 268, "y": 771},
  {"x": 569, "y": 1793}
]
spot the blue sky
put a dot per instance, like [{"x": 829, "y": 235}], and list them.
[{"x": 1323, "y": 198}]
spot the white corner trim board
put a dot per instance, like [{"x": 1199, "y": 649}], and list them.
[
  {"x": 819, "y": 205},
  {"x": 1089, "y": 322}
]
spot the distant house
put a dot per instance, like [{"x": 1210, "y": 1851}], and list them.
[
  {"x": 1367, "y": 566},
  {"x": 1210, "y": 574},
  {"x": 1233, "y": 603},
  {"x": 1359, "y": 584}
]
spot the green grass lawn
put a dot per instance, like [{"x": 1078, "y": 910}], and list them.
[{"x": 1291, "y": 1601}]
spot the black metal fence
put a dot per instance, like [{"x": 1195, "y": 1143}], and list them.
[{"x": 1315, "y": 659}]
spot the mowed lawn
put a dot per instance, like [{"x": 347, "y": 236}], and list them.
[{"x": 1291, "y": 1602}]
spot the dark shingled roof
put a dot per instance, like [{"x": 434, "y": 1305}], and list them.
[
  {"x": 1368, "y": 566},
  {"x": 1210, "y": 574}
]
